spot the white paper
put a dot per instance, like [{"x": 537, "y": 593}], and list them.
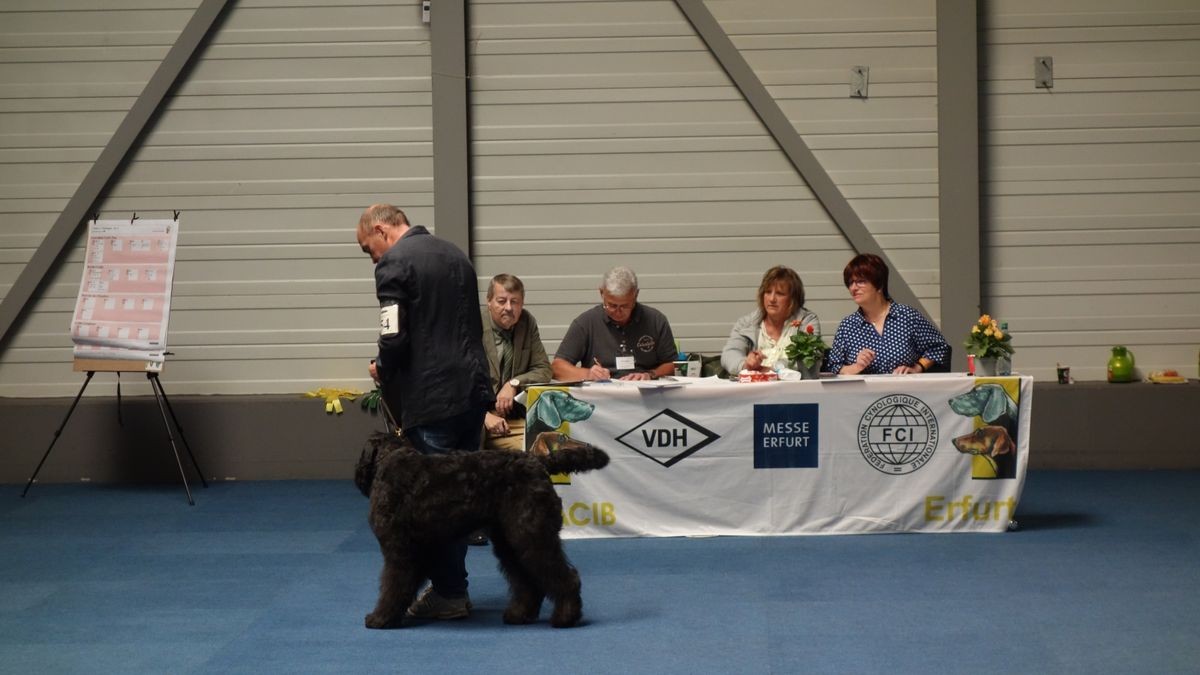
[{"x": 124, "y": 299}]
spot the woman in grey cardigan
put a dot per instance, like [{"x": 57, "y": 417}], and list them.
[{"x": 758, "y": 340}]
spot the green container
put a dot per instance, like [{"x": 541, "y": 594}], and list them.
[{"x": 1120, "y": 365}]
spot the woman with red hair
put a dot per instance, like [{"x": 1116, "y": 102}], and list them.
[{"x": 883, "y": 336}]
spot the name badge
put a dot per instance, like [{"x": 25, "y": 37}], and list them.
[
  {"x": 625, "y": 363},
  {"x": 389, "y": 320}
]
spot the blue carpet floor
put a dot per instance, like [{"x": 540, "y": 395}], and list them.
[{"x": 275, "y": 577}]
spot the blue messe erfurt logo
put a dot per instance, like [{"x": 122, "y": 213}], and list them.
[{"x": 785, "y": 436}]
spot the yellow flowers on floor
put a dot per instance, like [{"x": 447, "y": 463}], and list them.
[{"x": 333, "y": 397}]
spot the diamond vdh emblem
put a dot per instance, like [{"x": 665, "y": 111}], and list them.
[{"x": 667, "y": 437}]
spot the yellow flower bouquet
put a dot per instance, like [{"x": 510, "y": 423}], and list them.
[{"x": 988, "y": 340}]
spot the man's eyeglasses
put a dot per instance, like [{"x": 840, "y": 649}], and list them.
[{"x": 616, "y": 308}]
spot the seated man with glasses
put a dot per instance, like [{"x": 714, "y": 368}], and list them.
[
  {"x": 619, "y": 338},
  {"x": 516, "y": 359}
]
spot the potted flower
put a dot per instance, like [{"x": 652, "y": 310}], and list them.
[
  {"x": 806, "y": 351},
  {"x": 991, "y": 345}
]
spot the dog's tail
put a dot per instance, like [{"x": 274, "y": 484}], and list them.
[{"x": 560, "y": 453}]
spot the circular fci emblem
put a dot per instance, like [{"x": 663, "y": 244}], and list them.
[{"x": 897, "y": 434}]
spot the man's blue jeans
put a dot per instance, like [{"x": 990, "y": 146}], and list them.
[{"x": 447, "y": 566}]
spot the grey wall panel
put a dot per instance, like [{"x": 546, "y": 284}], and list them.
[
  {"x": 1091, "y": 188},
  {"x": 605, "y": 134},
  {"x": 297, "y": 116}
]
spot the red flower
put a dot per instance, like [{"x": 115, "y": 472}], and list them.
[{"x": 808, "y": 329}]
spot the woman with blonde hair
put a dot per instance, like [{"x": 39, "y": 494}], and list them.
[{"x": 758, "y": 339}]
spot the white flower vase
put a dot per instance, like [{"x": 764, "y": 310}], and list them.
[
  {"x": 993, "y": 366},
  {"x": 807, "y": 372}
]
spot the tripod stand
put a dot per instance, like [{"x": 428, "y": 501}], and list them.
[{"x": 92, "y": 366}]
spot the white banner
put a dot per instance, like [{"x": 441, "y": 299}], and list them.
[{"x": 847, "y": 455}]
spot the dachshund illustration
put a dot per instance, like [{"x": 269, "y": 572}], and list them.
[{"x": 992, "y": 444}]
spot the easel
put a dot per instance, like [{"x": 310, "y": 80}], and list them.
[{"x": 93, "y": 366}]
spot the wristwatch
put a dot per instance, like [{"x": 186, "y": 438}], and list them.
[{"x": 514, "y": 383}]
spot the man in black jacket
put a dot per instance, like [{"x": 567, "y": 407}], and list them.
[{"x": 431, "y": 364}]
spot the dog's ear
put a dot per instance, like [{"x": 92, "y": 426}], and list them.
[
  {"x": 1004, "y": 443},
  {"x": 364, "y": 471},
  {"x": 546, "y": 409},
  {"x": 997, "y": 403}
]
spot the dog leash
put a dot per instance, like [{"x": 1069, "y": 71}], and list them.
[{"x": 390, "y": 425}]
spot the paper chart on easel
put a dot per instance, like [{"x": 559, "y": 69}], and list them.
[{"x": 124, "y": 298}]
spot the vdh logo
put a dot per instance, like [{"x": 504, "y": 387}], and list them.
[
  {"x": 667, "y": 437},
  {"x": 898, "y": 434}
]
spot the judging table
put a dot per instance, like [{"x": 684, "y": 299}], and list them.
[{"x": 695, "y": 457}]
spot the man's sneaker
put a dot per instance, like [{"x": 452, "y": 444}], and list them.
[{"x": 431, "y": 605}]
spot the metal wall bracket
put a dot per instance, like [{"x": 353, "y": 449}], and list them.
[
  {"x": 858, "y": 81},
  {"x": 1043, "y": 72}
]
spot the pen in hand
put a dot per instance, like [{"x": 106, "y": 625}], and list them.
[{"x": 596, "y": 374}]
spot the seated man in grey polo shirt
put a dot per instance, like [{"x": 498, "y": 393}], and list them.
[{"x": 618, "y": 338}]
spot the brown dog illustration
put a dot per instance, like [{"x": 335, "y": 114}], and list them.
[
  {"x": 991, "y": 441},
  {"x": 992, "y": 444}
]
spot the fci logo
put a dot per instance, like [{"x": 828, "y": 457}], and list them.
[
  {"x": 898, "y": 434},
  {"x": 667, "y": 437}
]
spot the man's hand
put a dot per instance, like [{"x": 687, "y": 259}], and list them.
[
  {"x": 637, "y": 376},
  {"x": 374, "y": 373},
  {"x": 495, "y": 424},
  {"x": 504, "y": 399},
  {"x": 598, "y": 372}
]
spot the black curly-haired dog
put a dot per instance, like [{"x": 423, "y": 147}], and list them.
[{"x": 420, "y": 500}]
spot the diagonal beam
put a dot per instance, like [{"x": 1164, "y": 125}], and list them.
[
  {"x": 797, "y": 151},
  {"x": 124, "y": 140}
]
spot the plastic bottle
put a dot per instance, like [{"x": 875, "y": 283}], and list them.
[{"x": 1004, "y": 363}]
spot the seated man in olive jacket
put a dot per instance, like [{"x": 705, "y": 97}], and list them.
[{"x": 516, "y": 359}]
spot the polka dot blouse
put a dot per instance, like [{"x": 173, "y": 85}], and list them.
[{"x": 907, "y": 336}]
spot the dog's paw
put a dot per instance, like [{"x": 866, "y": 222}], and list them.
[
  {"x": 566, "y": 614},
  {"x": 517, "y": 617},
  {"x": 565, "y": 621},
  {"x": 377, "y": 620}
]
